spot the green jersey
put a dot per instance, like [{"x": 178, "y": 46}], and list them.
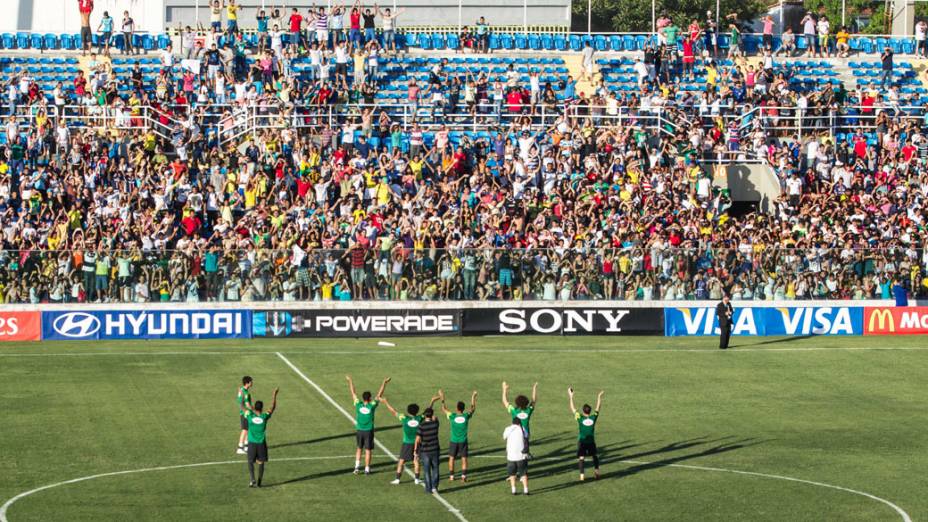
[
  {"x": 257, "y": 425},
  {"x": 586, "y": 426},
  {"x": 364, "y": 413},
  {"x": 410, "y": 427},
  {"x": 244, "y": 397},
  {"x": 459, "y": 423},
  {"x": 522, "y": 415}
]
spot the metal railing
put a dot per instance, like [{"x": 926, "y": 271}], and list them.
[{"x": 750, "y": 272}]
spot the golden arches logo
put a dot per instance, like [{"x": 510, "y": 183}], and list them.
[{"x": 884, "y": 320}]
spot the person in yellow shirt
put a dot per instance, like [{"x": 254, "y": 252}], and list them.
[
  {"x": 232, "y": 16},
  {"x": 383, "y": 192},
  {"x": 841, "y": 42}
]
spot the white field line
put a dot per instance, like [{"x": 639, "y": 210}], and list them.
[
  {"x": 734, "y": 350},
  {"x": 3, "y": 509},
  {"x": 453, "y": 510}
]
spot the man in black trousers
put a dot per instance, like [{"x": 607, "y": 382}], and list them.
[{"x": 725, "y": 313}]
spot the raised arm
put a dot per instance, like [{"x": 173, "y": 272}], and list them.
[
  {"x": 599, "y": 400},
  {"x": 570, "y": 396},
  {"x": 435, "y": 399},
  {"x": 354, "y": 396},
  {"x": 473, "y": 402},
  {"x": 273, "y": 402},
  {"x": 389, "y": 407},
  {"x": 441, "y": 396},
  {"x": 534, "y": 393},
  {"x": 505, "y": 395},
  {"x": 383, "y": 387}
]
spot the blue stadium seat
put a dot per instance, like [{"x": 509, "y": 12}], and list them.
[
  {"x": 575, "y": 43},
  {"x": 534, "y": 42},
  {"x": 615, "y": 43},
  {"x": 641, "y": 42},
  {"x": 908, "y": 46},
  {"x": 547, "y": 42},
  {"x": 66, "y": 42},
  {"x": 51, "y": 41},
  {"x": 9, "y": 41},
  {"x": 600, "y": 43},
  {"x": 453, "y": 41},
  {"x": 506, "y": 41},
  {"x": 629, "y": 43},
  {"x": 425, "y": 41},
  {"x": 148, "y": 42},
  {"x": 22, "y": 40},
  {"x": 560, "y": 42},
  {"x": 494, "y": 41},
  {"x": 521, "y": 41},
  {"x": 163, "y": 41}
]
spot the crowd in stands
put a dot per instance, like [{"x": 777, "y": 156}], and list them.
[{"x": 601, "y": 201}]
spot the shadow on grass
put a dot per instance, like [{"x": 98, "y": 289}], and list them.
[
  {"x": 328, "y": 438},
  {"x": 377, "y": 469},
  {"x": 772, "y": 341},
  {"x": 563, "y": 460}
]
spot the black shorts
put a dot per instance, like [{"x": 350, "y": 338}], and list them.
[
  {"x": 457, "y": 449},
  {"x": 341, "y": 69},
  {"x": 243, "y": 422},
  {"x": 407, "y": 452},
  {"x": 586, "y": 449},
  {"x": 365, "y": 439},
  {"x": 257, "y": 451},
  {"x": 86, "y": 36},
  {"x": 518, "y": 468}
]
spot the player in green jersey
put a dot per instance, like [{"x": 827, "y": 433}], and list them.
[
  {"x": 257, "y": 420},
  {"x": 243, "y": 399},
  {"x": 586, "y": 426},
  {"x": 522, "y": 410},
  {"x": 364, "y": 423},
  {"x": 459, "y": 420},
  {"x": 410, "y": 420}
]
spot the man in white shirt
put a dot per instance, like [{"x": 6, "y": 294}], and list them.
[
  {"x": 516, "y": 465},
  {"x": 921, "y": 39}
]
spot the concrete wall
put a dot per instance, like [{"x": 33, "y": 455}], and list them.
[
  {"x": 417, "y": 12},
  {"x": 62, "y": 16},
  {"x": 753, "y": 182}
]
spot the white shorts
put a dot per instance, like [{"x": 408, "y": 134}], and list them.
[{"x": 322, "y": 35}]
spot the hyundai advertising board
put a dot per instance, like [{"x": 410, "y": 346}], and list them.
[{"x": 146, "y": 324}]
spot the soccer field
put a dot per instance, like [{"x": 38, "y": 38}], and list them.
[{"x": 777, "y": 429}]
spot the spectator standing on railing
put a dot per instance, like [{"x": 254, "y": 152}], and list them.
[
  {"x": 768, "y": 33},
  {"x": 483, "y": 35},
  {"x": 215, "y": 16},
  {"x": 389, "y": 26},
  {"x": 106, "y": 34},
  {"x": 355, "y": 38},
  {"x": 886, "y": 65},
  {"x": 85, "y": 7},
  {"x": 787, "y": 43},
  {"x": 921, "y": 39},
  {"x": 808, "y": 33},
  {"x": 824, "y": 37},
  {"x": 128, "y": 31},
  {"x": 296, "y": 31}
]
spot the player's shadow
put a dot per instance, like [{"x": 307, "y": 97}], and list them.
[
  {"x": 639, "y": 467},
  {"x": 382, "y": 467},
  {"x": 493, "y": 472},
  {"x": 326, "y": 438},
  {"x": 775, "y": 341}
]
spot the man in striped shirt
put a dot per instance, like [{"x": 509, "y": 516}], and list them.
[
  {"x": 427, "y": 447},
  {"x": 321, "y": 21}
]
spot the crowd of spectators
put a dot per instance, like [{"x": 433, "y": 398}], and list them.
[{"x": 599, "y": 202}]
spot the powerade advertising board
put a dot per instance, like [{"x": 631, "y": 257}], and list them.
[
  {"x": 356, "y": 323},
  {"x": 825, "y": 320},
  {"x": 146, "y": 324}
]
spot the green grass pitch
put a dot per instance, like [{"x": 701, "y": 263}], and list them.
[{"x": 680, "y": 420}]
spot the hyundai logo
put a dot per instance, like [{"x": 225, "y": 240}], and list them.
[{"x": 76, "y": 325}]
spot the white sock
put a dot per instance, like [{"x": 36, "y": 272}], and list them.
[
  {"x": 525, "y": 489},
  {"x": 357, "y": 464},
  {"x": 367, "y": 468},
  {"x": 513, "y": 490}
]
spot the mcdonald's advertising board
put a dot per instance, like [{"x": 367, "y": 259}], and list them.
[{"x": 903, "y": 320}]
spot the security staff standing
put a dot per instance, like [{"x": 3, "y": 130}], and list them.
[{"x": 724, "y": 312}]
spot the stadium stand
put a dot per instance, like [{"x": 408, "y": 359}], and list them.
[{"x": 238, "y": 166}]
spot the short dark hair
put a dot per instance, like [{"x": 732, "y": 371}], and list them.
[
  {"x": 516, "y": 421},
  {"x": 587, "y": 409},
  {"x": 259, "y": 405},
  {"x": 522, "y": 402},
  {"x": 366, "y": 396},
  {"x": 412, "y": 409},
  {"x": 246, "y": 380},
  {"x": 461, "y": 405},
  {"x": 429, "y": 412}
]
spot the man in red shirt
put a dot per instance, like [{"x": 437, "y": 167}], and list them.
[
  {"x": 85, "y": 7},
  {"x": 296, "y": 29}
]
